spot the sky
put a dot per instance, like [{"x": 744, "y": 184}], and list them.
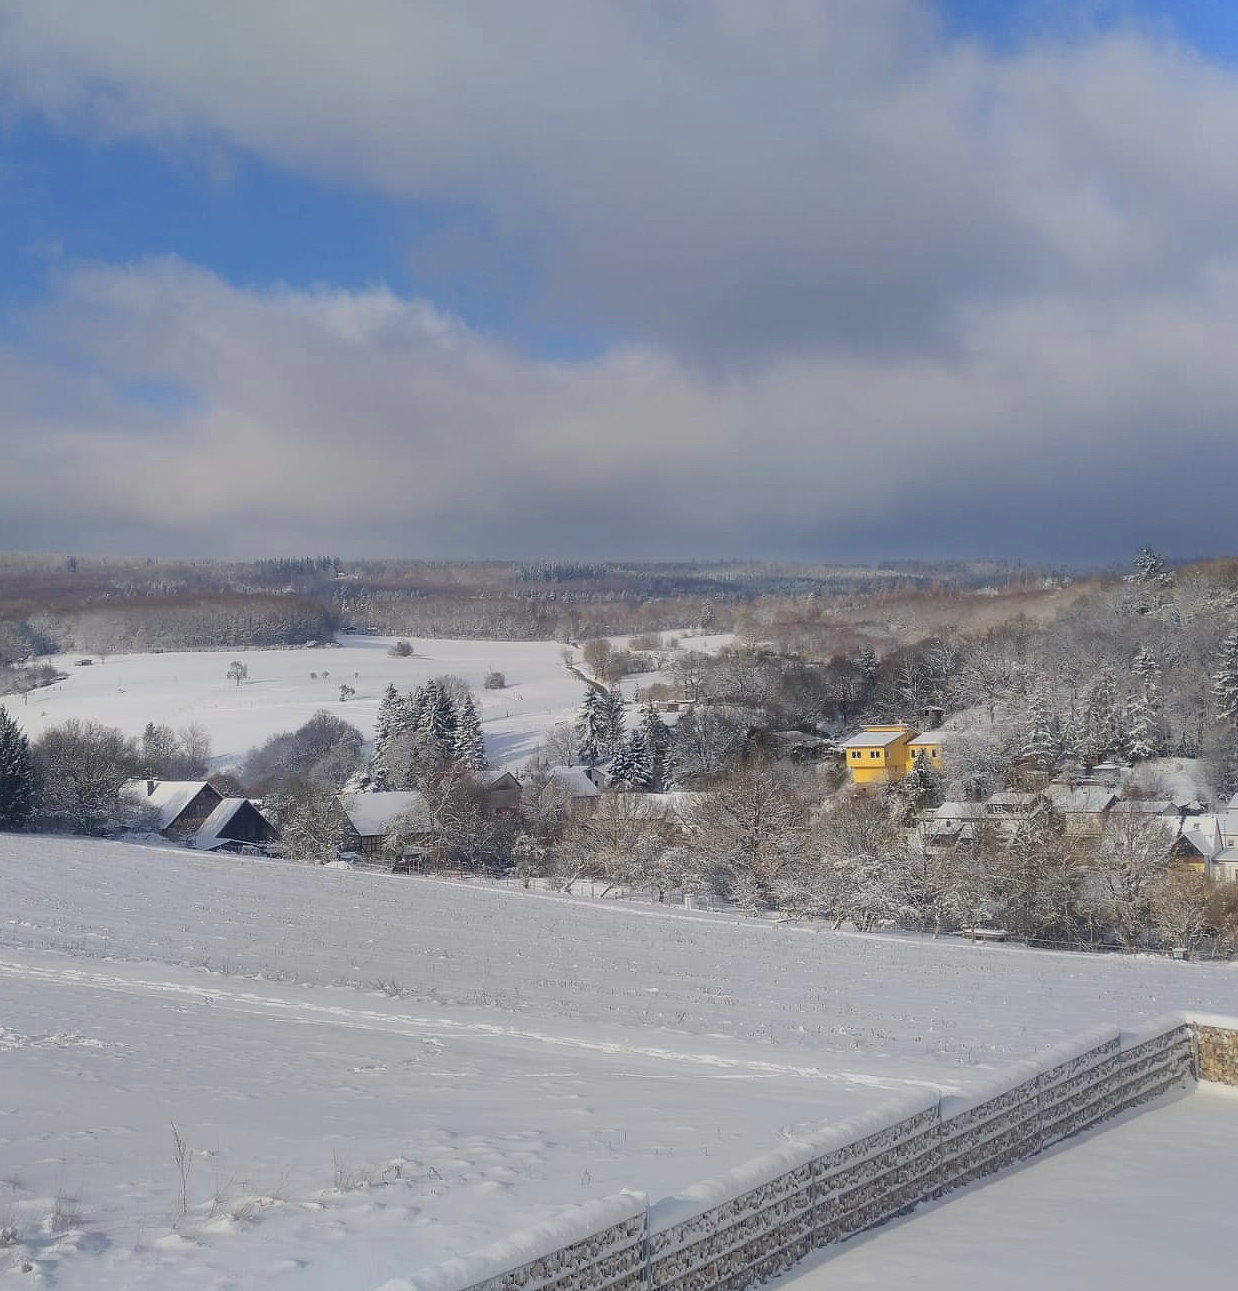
[{"x": 630, "y": 279}]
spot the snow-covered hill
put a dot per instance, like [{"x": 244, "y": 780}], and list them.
[
  {"x": 372, "y": 1072},
  {"x": 286, "y": 687}
]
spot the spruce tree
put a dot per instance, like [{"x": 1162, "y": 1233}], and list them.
[
  {"x": 1145, "y": 736},
  {"x": 16, "y": 775},
  {"x": 630, "y": 765},
  {"x": 1225, "y": 680},
  {"x": 470, "y": 744},
  {"x": 439, "y": 718},
  {"x": 616, "y": 720},
  {"x": 389, "y": 711},
  {"x": 593, "y": 725},
  {"x": 657, "y": 737},
  {"x": 1040, "y": 744}
]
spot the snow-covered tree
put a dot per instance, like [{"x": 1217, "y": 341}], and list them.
[
  {"x": 390, "y": 713},
  {"x": 470, "y": 744},
  {"x": 593, "y": 726},
  {"x": 1040, "y": 742},
  {"x": 1102, "y": 724},
  {"x": 657, "y": 743},
  {"x": 17, "y": 786},
  {"x": 1225, "y": 680},
  {"x": 631, "y": 765},
  {"x": 616, "y": 719},
  {"x": 922, "y": 787},
  {"x": 1130, "y": 863},
  {"x": 1149, "y": 568},
  {"x": 751, "y": 828},
  {"x": 439, "y": 718}
]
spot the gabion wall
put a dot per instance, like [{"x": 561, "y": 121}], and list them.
[{"x": 767, "y": 1216}]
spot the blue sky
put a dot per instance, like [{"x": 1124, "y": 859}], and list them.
[
  {"x": 74, "y": 197},
  {"x": 470, "y": 279}
]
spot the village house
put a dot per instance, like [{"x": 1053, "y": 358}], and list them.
[
  {"x": 196, "y": 813},
  {"x": 504, "y": 794},
  {"x": 881, "y": 755},
  {"x": 950, "y": 824},
  {"x": 371, "y": 815},
  {"x": 1083, "y": 808},
  {"x": 1209, "y": 844},
  {"x": 236, "y": 825},
  {"x": 177, "y": 809},
  {"x": 579, "y": 786}
]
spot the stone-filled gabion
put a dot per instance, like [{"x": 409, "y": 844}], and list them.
[{"x": 765, "y": 1229}]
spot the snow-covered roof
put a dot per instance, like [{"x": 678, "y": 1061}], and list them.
[
  {"x": 1151, "y": 806},
  {"x": 957, "y": 811},
  {"x": 929, "y": 738},
  {"x": 1089, "y": 799},
  {"x": 168, "y": 798},
  {"x": 874, "y": 739},
  {"x": 576, "y": 781},
  {"x": 663, "y": 806},
  {"x": 371, "y": 814},
  {"x": 208, "y": 836},
  {"x": 1011, "y": 798}
]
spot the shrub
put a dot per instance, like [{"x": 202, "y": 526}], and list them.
[
  {"x": 401, "y": 650},
  {"x": 494, "y": 681}
]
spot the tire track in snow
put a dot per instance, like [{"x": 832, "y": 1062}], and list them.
[{"x": 306, "y": 1012}]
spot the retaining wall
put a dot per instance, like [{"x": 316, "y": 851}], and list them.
[{"x": 728, "y": 1233}]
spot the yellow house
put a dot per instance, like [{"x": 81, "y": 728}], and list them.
[
  {"x": 930, "y": 745},
  {"x": 879, "y": 754}
]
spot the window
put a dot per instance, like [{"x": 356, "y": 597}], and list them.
[
  {"x": 855, "y": 753},
  {"x": 876, "y": 753}
]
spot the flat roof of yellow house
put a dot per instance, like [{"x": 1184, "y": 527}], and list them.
[
  {"x": 929, "y": 737},
  {"x": 874, "y": 739}
]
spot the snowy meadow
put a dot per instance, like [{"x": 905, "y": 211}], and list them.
[
  {"x": 284, "y": 688},
  {"x": 369, "y": 1073}
]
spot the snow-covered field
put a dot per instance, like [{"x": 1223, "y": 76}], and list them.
[
  {"x": 373, "y": 1072},
  {"x": 1142, "y": 1204},
  {"x": 179, "y": 687}
]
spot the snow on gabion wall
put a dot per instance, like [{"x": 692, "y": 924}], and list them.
[
  {"x": 598, "y": 1245},
  {"x": 734, "y": 1231}
]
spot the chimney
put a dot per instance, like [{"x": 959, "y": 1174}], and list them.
[{"x": 150, "y": 787}]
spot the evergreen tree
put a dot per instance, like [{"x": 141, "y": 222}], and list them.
[
  {"x": 657, "y": 737},
  {"x": 868, "y": 665},
  {"x": 16, "y": 775},
  {"x": 470, "y": 745},
  {"x": 631, "y": 764},
  {"x": 921, "y": 788},
  {"x": 389, "y": 714},
  {"x": 616, "y": 720},
  {"x": 438, "y": 717},
  {"x": 1225, "y": 680},
  {"x": 1142, "y": 729},
  {"x": 1149, "y": 568},
  {"x": 1102, "y": 721},
  {"x": 593, "y": 725},
  {"x": 1145, "y": 735},
  {"x": 1040, "y": 743}
]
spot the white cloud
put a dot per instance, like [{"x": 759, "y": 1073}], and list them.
[
  {"x": 366, "y": 422},
  {"x": 889, "y": 293}
]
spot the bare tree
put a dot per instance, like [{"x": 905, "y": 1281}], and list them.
[
  {"x": 1128, "y": 868},
  {"x": 750, "y": 828},
  {"x": 237, "y": 672}
]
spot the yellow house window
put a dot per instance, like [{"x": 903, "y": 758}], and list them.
[
  {"x": 855, "y": 753},
  {"x": 875, "y": 754}
]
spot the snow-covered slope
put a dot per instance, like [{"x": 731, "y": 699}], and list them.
[
  {"x": 179, "y": 687},
  {"x": 374, "y": 1072}
]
